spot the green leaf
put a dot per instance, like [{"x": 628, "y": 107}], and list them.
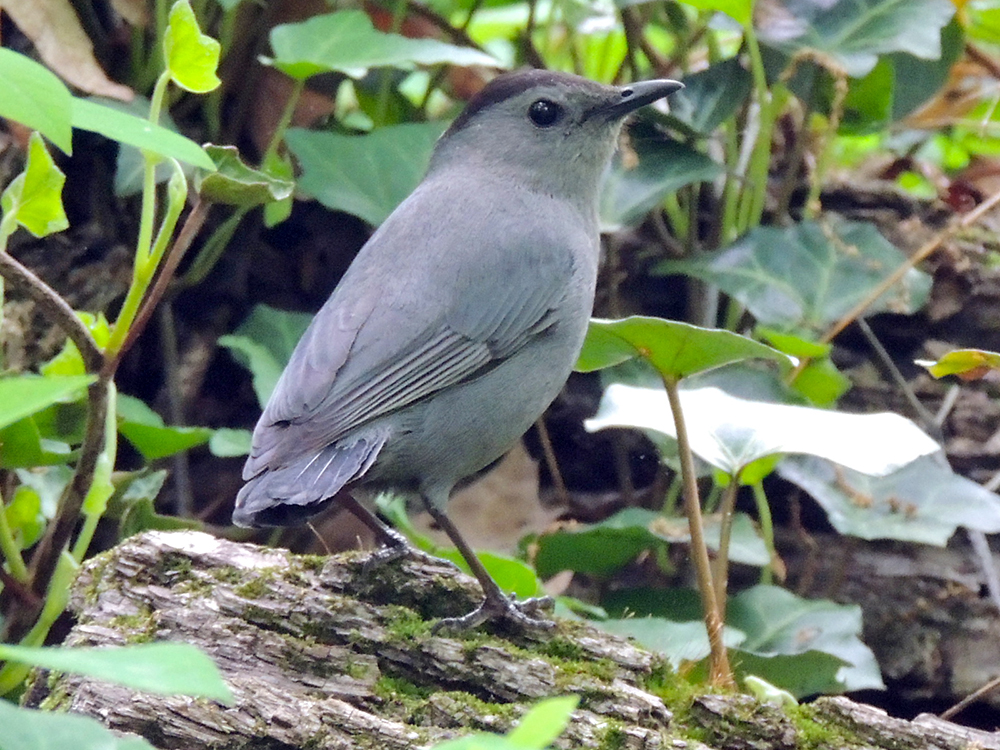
[
  {"x": 34, "y": 197},
  {"x": 820, "y": 381},
  {"x": 630, "y": 191},
  {"x": 227, "y": 442},
  {"x": 192, "y": 57},
  {"x": 236, "y": 184},
  {"x": 868, "y": 106},
  {"x": 543, "y": 723},
  {"x": 364, "y": 175},
  {"x": 853, "y": 33},
  {"x": 679, "y": 642},
  {"x": 162, "y": 668},
  {"x": 263, "y": 343},
  {"x": 144, "y": 428},
  {"x": 730, "y": 432},
  {"x": 23, "y": 395},
  {"x": 141, "y": 515},
  {"x": 346, "y": 41},
  {"x": 807, "y": 276},
  {"x": 711, "y": 96},
  {"x": 917, "y": 80},
  {"x": 25, "y": 517},
  {"x": 779, "y": 623},
  {"x": 34, "y": 96},
  {"x": 113, "y": 123},
  {"x": 604, "y": 548},
  {"x": 22, "y": 445},
  {"x": 969, "y": 364},
  {"x": 25, "y": 729},
  {"x": 675, "y": 349},
  {"x": 924, "y": 501},
  {"x": 738, "y": 10}
]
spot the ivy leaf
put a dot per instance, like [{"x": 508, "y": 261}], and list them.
[
  {"x": 806, "y": 276},
  {"x": 855, "y": 32},
  {"x": 365, "y": 175},
  {"x": 346, "y": 41},
  {"x": 34, "y": 197},
  {"x": 191, "y": 57}
]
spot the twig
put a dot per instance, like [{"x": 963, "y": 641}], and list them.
[
  {"x": 54, "y": 307},
  {"x": 929, "y": 247},
  {"x": 550, "y": 461}
]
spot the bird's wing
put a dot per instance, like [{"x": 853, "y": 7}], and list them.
[{"x": 379, "y": 344}]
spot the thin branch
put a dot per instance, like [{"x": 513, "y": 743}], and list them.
[{"x": 53, "y": 307}]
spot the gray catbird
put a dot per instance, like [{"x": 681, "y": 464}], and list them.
[{"x": 457, "y": 323}]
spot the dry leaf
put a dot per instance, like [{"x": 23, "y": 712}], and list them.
[
  {"x": 55, "y": 30},
  {"x": 135, "y": 12}
]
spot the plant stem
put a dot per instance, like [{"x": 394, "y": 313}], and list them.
[
  {"x": 720, "y": 576},
  {"x": 286, "y": 118},
  {"x": 766, "y": 530},
  {"x": 10, "y": 548},
  {"x": 720, "y": 673}
]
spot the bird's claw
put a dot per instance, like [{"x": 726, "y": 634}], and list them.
[{"x": 523, "y": 614}]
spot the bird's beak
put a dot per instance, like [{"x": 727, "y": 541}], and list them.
[{"x": 637, "y": 95}]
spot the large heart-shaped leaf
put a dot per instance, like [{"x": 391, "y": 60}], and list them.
[
  {"x": 346, "y": 41},
  {"x": 777, "y": 622},
  {"x": 853, "y": 33},
  {"x": 365, "y": 175},
  {"x": 808, "y": 275},
  {"x": 730, "y": 432},
  {"x": 675, "y": 349},
  {"x": 924, "y": 501}
]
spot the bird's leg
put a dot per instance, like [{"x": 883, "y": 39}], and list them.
[
  {"x": 396, "y": 545},
  {"x": 496, "y": 605}
]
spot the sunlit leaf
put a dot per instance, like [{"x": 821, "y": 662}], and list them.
[
  {"x": 34, "y": 96},
  {"x": 346, "y": 41},
  {"x": 23, "y": 395},
  {"x": 543, "y": 723},
  {"x": 192, "y": 57},
  {"x": 163, "y": 668},
  {"x": 675, "y": 349},
  {"x": 109, "y": 120},
  {"x": 738, "y": 10},
  {"x": 968, "y": 364},
  {"x": 34, "y": 197},
  {"x": 730, "y": 432}
]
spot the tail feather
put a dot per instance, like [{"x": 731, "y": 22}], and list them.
[{"x": 290, "y": 494}]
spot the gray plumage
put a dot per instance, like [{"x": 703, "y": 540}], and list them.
[{"x": 461, "y": 318}]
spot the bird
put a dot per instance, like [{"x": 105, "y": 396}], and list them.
[{"x": 457, "y": 323}]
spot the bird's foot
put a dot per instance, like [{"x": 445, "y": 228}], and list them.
[
  {"x": 523, "y": 614},
  {"x": 396, "y": 547}
]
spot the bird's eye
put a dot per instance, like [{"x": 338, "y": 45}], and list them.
[{"x": 544, "y": 112}]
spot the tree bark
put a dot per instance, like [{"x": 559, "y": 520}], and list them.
[{"x": 325, "y": 653}]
